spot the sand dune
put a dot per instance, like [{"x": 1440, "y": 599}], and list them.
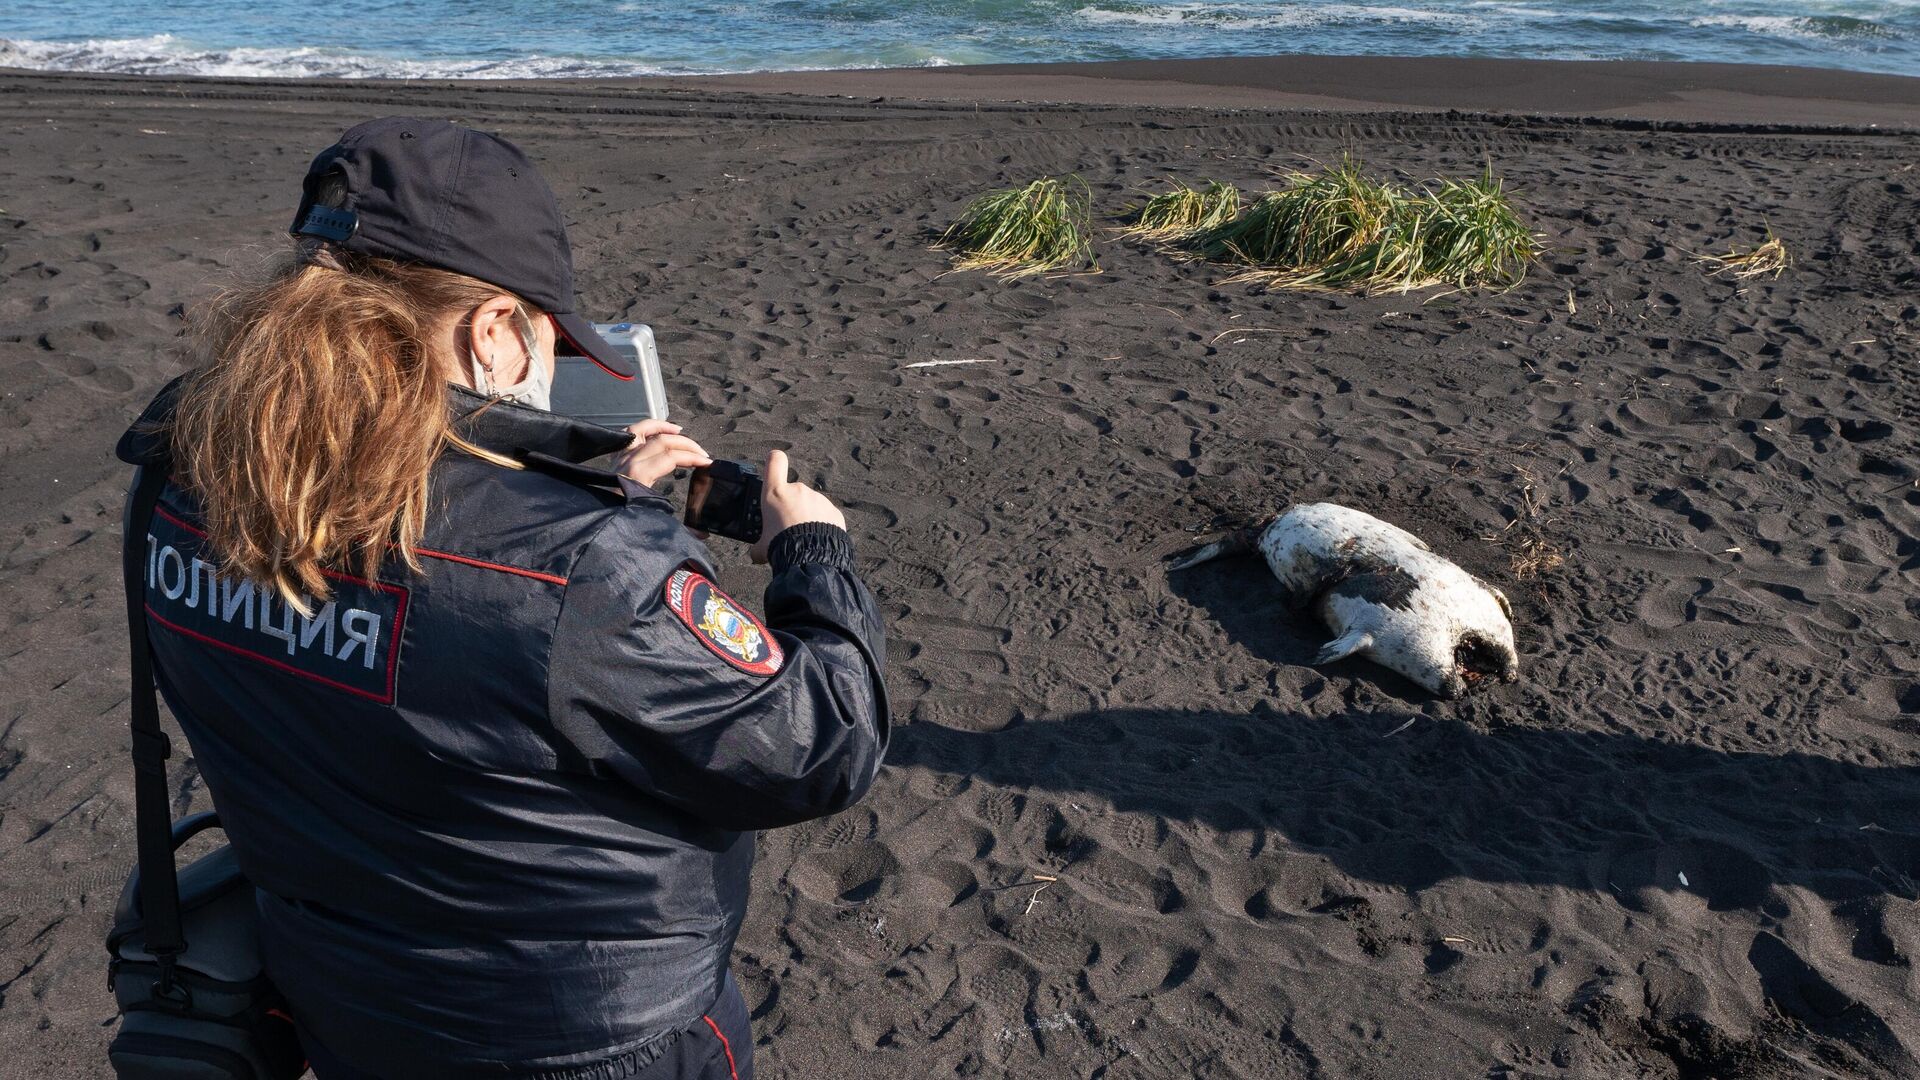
[{"x": 1687, "y": 844}]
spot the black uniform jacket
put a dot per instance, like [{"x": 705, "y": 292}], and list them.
[{"x": 500, "y": 812}]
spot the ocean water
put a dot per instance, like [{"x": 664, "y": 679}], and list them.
[{"x": 579, "y": 38}]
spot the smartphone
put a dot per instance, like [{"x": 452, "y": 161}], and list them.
[{"x": 724, "y": 499}]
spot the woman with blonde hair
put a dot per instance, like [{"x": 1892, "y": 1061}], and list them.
[{"x": 479, "y": 723}]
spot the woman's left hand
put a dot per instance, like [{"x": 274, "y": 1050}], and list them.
[{"x": 658, "y": 449}]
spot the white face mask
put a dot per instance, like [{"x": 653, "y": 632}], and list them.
[{"x": 536, "y": 390}]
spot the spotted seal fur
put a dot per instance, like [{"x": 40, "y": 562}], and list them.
[{"x": 1384, "y": 594}]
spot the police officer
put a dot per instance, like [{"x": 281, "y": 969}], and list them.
[{"x": 479, "y": 721}]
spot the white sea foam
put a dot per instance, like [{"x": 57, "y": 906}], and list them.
[
  {"x": 1248, "y": 17},
  {"x": 1802, "y": 27},
  {"x": 649, "y": 37},
  {"x": 165, "y": 54}
]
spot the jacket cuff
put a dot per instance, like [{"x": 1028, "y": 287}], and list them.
[{"x": 811, "y": 542}]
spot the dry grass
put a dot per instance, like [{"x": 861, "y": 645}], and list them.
[
  {"x": 1532, "y": 556},
  {"x": 1770, "y": 259},
  {"x": 1531, "y": 550},
  {"x": 1183, "y": 212},
  {"x": 1531, "y": 537},
  {"x": 1046, "y": 225}
]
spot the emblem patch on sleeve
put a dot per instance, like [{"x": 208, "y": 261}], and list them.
[{"x": 722, "y": 625}]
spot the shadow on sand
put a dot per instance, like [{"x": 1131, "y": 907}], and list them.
[
  {"x": 1620, "y": 815},
  {"x": 1598, "y": 811}
]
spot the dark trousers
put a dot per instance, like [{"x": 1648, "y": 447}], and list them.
[{"x": 718, "y": 1046}]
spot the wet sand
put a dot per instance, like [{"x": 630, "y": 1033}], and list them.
[{"x": 1686, "y": 844}]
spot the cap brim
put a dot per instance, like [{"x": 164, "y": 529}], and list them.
[{"x": 577, "y": 338}]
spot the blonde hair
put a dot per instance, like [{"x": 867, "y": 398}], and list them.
[{"x": 313, "y": 414}]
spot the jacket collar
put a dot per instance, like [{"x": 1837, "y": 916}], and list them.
[
  {"x": 145, "y": 442},
  {"x": 517, "y": 430},
  {"x": 545, "y": 442},
  {"x": 548, "y": 442}
]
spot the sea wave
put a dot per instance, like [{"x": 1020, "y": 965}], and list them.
[
  {"x": 1822, "y": 28},
  {"x": 589, "y": 39},
  {"x": 1209, "y": 16},
  {"x": 165, "y": 54}
]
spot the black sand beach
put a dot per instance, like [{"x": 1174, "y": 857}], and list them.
[{"x": 1125, "y": 831}]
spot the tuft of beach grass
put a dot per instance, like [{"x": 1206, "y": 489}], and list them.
[
  {"x": 1340, "y": 229},
  {"x": 1184, "y": 212},
  {"x": 1770, "y": 259},
  {"x": 1473, "y": 236},
  {"x": 1316, "y": 220},
  {"x": 1046, "y": 225}
]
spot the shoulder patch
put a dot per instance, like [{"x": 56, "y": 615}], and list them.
[{"x": 722, "y": 625}]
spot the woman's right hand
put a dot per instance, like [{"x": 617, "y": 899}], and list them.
[
  {"x": 785, "y": 503},
  {"x": 657, "y": 450}
]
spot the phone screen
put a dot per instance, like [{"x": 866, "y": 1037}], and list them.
[{"x": 724, "y": 499}]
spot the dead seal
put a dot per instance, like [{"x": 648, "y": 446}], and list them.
[{"x": 1384, "y": 594}]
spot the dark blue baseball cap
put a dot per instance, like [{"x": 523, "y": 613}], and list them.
[{"x": 427, "y": 191}]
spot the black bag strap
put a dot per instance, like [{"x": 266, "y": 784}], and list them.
[{"x": 152, "y": 812}]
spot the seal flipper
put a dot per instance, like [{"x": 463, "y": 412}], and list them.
[
  {"x": 1347, "y": 644},
  {"x": 1238, "y": 542}
]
